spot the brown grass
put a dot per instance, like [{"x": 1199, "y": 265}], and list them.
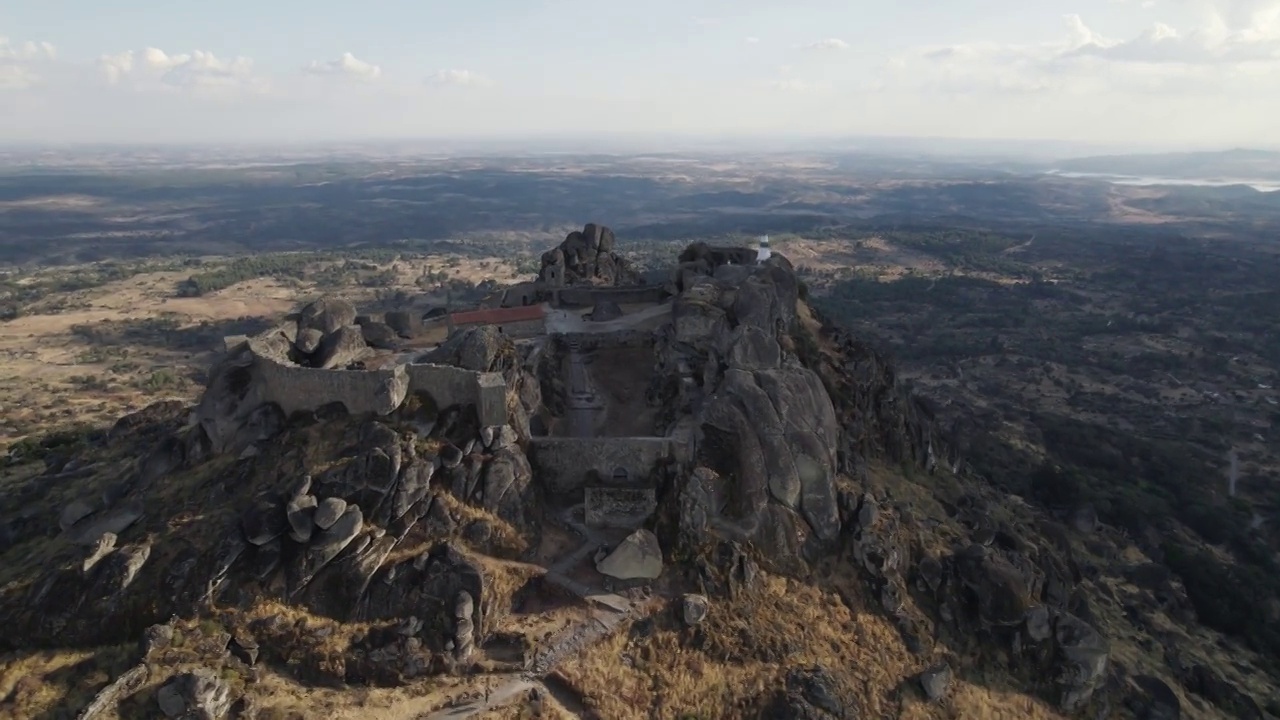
[
  {"x": 38, "y": 684},
  {"x": 749, "y": 644},
  {"x": 41, "y": 355}
]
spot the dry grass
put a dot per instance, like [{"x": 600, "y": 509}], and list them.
[
  {"x": 44, "y": 389},
  {"x": 281, "y": 697},
  {"x": 746, "y": 641},
  {"x": 748, "y": 644},
  {"x": 39, "y": 684}
]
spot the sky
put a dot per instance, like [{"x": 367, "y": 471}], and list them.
[{"x": 1159, "y": 74}]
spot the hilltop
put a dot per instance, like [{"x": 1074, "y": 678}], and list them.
[{"x": 623, "y": 495}]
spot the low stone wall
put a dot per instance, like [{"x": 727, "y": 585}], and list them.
[
  {"x": 448, "y": 385},
  {"x": 590, "y": 296},
  {"x": 524, "y": 328},
  {"x": 567, "y": 465}
]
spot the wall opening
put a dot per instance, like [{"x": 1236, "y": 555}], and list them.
[{"x": 620, "y": 475}]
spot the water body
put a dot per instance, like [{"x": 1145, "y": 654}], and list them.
[{"x": 1259, "y": 185}]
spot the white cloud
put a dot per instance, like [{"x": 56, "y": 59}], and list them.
[
  {"x": 346, "y": 66},
  {"x": 198, "y": 71},
  {"x": 458, "y": 77},
  {"x": 751, "y": 40},
  {"x": 1212, "y": 58},
  {"x": 1162, "y": 43},
  {"x": 828, "y": 44},
  {"x": 20, "y": 64}
]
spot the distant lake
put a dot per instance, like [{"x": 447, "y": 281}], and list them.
[{"x": 1259, "y": 185}]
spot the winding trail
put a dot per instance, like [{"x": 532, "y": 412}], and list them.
[{"x": 607, "y": 612}]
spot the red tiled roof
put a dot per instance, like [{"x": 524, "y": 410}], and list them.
[{"x": 499, "y": 315}]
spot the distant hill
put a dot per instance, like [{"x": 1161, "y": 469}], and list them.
[{"x": 1228, "y": 164}]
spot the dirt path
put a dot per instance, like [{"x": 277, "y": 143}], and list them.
[{"x": 503, "y": 692}]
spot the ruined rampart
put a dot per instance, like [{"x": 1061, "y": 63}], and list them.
[
  {"x": 448, "y": 385},
  {"x": 296, "y": 388},
  {"x": 567, "y": 465}
]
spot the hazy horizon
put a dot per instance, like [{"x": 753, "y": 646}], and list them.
[{"x": 1146, "y": 75}]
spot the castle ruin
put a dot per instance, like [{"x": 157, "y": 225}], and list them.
[{"x": 597, "y": 437}]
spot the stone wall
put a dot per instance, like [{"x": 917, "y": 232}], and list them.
[
  {"x": 567, "y": 465},
  {"x": 615, "y": 507},
  {"x": 296, "y": 388},
  {"x": 590, "y": 296},
  {"x": 525, "y": 293},
  {"x": 448, "y": 385},
  {"x": 524, "y": 328},
  {"x": 615, "y": 339}
]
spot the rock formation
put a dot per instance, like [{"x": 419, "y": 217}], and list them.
[
  {"x": 768, "y": 431},
  {"x": 586, "y": 257},
  {"x": 638, "y": 557}
]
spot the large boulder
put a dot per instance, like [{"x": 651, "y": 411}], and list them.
[
  {"x": 406, "y": 324},
  {"x": 196, "y": 695},
  {"x": 379, "y": 335},
  {"x": 639, "y": 556},
  {"x": 341, "y": 348},
  {"x": 326, "y": 315},
  {"x": 482, "y": 348}
]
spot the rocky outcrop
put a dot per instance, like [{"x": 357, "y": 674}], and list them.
[
  {"x": 935, "y": 681},
  {"x": 812, "y": 693},
  {"x": 694, "y": 609},
  {"x": 769, "y": 435},
  {"x": 586, "y": 257},
  {"x": 326, "y": 315},
  {"x": 195, "y": 695},
  {"x": 107, "y": 702},
  {"x": 378, "y": 335},
  {"x": 879, "y": 418}
]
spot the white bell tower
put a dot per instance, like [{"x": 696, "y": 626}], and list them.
[{"x": 763, "y": 252}]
